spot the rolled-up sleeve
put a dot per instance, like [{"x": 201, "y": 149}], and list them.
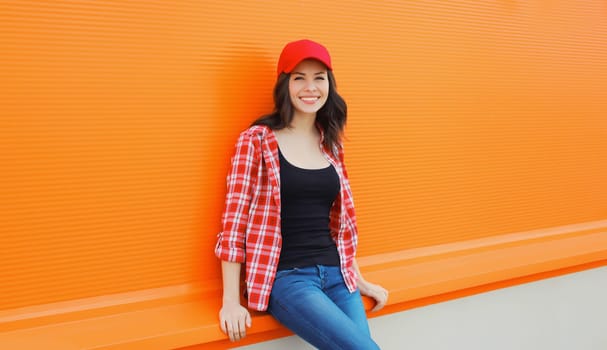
[{"x": 240, "y": 182}]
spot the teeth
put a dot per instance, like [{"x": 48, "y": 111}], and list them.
[{"x": 309, "y": 98}]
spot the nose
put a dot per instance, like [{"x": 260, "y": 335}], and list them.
[{"x": 310, "y": 85}]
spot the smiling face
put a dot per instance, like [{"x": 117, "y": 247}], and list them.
[{"x": 308, "y": 87}]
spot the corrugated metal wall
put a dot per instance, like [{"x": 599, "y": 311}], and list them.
[{"x": 467, "y": 119}]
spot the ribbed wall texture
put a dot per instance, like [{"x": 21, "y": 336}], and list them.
[{"x": 467, "y": 119}]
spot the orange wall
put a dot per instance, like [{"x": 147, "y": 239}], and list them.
[{"x": 467, "y": 119}]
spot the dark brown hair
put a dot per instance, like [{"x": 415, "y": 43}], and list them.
[{"x": 331, "y": 117}]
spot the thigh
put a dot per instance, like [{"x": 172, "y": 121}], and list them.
[
  {"x": 298, "y": 302},
  {"x": 350, "y": 303}
]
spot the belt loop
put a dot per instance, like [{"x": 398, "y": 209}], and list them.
[{"x": 322, "y": 276}]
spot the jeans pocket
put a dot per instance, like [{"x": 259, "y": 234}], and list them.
[{"x": 283, "y": 273}]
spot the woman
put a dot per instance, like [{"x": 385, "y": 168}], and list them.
[{"x": 289, "y": 214}]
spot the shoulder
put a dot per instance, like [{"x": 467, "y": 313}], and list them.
[
  {"x": 252, "y": 135},
  {"x": 256, "y": 130},
  {"x": 251, "y": 140}
]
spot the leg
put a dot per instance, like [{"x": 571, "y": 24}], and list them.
[
  {"x": 299, "y": 302},
  {"x": 350, "y": 303}
]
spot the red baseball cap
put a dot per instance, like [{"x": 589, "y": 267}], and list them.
[{"x": 297, "y": 51}]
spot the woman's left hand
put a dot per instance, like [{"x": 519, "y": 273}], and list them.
[{"x": 375, "y": 291}]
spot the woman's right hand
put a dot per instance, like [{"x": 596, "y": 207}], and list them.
[{"x": 233, "y": 318}]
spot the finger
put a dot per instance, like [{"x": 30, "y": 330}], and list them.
[
  {"x": 383, "y": 293},
  {"x": 378, "y": 306},
  {"x": 380, "y": 301},
  {"x": 248, "y": 319},
  {"x": 237, "y": 335},
  {"x": 222, "y": 324},
  {"x": 230, "y": 331},
  {"x": 237, "y": 331},
  {"x": 242, "y": 332}
]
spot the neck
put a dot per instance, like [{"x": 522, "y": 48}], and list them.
[{"x": 304, "y": 123}]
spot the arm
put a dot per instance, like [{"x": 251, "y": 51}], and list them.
[
  {"x": 375, "y": 291},
  {"x": 230, "y": 248},
  {"x": 231, "y": 240},
  {"x": 233, "y": 317}
]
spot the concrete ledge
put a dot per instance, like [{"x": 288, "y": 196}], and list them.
[{"x": 186, "y": 316}]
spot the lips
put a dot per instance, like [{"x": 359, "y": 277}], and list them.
[{"x": 309, "y": 99}]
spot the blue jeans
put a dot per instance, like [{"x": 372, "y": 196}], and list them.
[{"x": 315, "y": 304}]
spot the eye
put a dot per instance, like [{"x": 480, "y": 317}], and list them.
[
  {"x": 298, "y": 78},
  {"x": 320, "y": 78}
]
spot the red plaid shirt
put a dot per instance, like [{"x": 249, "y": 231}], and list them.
[{"x": 251, "y": 220}]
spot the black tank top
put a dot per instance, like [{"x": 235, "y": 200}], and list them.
[{"x": 306, "y": 197}]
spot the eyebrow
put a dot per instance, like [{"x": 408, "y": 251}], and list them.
[{"x": 300, "y": 73}]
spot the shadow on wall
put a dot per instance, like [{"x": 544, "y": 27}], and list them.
[{"x": 242, "y": 85}]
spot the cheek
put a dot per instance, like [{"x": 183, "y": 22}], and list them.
[
  {"x": 325, "y": 87},
  {"x": 291, "y": 89},
  {"x": 295, "y": 85},
  {"x": 293, "y": 95}
]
